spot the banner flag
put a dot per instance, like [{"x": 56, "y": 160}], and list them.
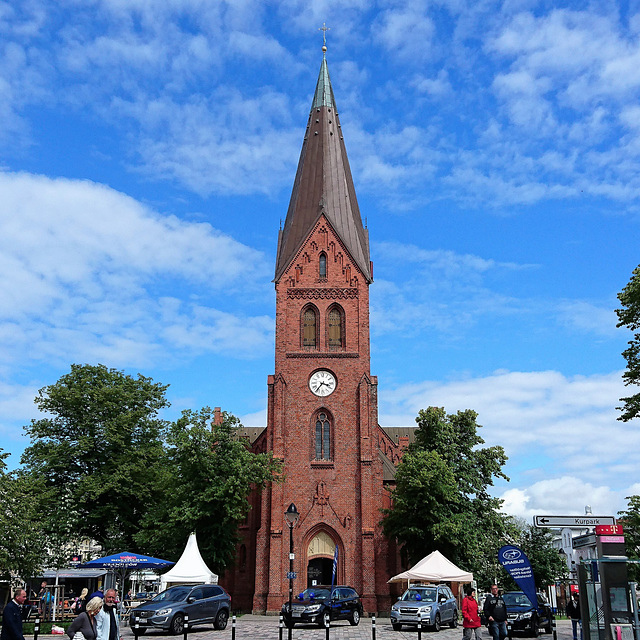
[
  {"x": 515, "y": 561},
  {"x": 335, "y": 568}
]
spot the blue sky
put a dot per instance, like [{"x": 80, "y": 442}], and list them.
[{"x": 147, "y": 155}]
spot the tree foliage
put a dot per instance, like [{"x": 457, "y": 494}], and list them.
[
  {"x": 630, "y": 520},
  {"x": 441, "y": 499},
  {"x": 629, "y": 316},
  {"x": 22, "y": 548},
  {"x": 102, "y": 444},
  {"x": 209, "y": 474}
]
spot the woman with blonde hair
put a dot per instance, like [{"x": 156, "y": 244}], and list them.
[
  {"x": 85, "y": 623},
  {"x": 81, "y": 602}
]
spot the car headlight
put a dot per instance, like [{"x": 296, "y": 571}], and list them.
[
  {"x": 528, "y": 614},
  {"x": 395, "y": 607},
  {"x": 424, "y": 609},
  {"x": 163, "y": 612},
  {"x": 313, "y": 608}
]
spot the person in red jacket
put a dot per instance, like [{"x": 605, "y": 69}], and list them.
[{"x": 470, "y": 618}]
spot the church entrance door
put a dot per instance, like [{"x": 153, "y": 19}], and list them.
[{"x": 319, "y": 571}]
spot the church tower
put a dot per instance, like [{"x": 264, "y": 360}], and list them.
[{"x": 322, "y": 418}]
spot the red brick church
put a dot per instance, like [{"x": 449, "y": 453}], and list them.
[{"x": 322, "y": 418}]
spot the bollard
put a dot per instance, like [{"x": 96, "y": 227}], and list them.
[
  {"x": 233, "y": 628},
  {"x": 280, "y": 627},
  {"x": 36, "y": 629},
  {"x": 136, "y": 629},
  {"x": 327, "y": 622},
  {"x": 373, "y": 628},
  {"x": 555, "y": 631},
  {"x": 186, "y": 626},
  {"x": 419, "y": 630},
  {"x": 509, "y": 631}
]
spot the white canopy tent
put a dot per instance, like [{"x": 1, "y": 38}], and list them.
[
  {"x": 190, "y": 569},
  {"x": 433, "y": 568}
]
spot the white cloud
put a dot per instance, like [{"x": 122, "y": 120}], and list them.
[
  {"x": 540, "y": 418},
  {"x": 81, "y": 264},
  {"x": 565, "y": 495}
]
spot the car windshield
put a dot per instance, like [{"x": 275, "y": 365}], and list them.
[
  {"x": 175, "y": 594},
  {"x": 426, "y": 595},
  {"x": 516, "y": 600},
  {"x": 315, "y": 594}
]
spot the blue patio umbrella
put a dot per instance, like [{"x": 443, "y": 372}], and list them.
[{"x": 125, "y": 562}]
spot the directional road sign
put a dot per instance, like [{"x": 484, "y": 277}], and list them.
[{"x": 571, "y": 521}]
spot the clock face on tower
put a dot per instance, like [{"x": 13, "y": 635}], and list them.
[{"x": 322, "y": 383}]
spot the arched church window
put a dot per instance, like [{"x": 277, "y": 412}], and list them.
[
  {"x": 323, "y": 265},
  {"x": 309, "y": 328},
  {"x": 334, "y": 328},
  {"x": 323, "y": 437}
]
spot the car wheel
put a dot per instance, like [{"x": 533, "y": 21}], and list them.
[
  {"x": 533, "y": 627},
  {"x": 549, "y": 628},
  {"x": 177, "y": 624},
  {"x": 139, "y": 632},
  {"x": 221, "y": 620},
  {"x": 454, "y": 621},
  {"x": 397, "y": 626},
  {"x": 354, "y": 620},
  {"x": 325, "y": 619},
  {"x": 437, "y": 625}
]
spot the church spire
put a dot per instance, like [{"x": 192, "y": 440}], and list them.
[{"x": 323, "y": 185}]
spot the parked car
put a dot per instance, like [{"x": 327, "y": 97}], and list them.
[
  {"x": 522, "y": 616},
  {"x": 203, "y": 603},
  {"x": 320, "y": 605},
  {"x": 425, "y": 606}
]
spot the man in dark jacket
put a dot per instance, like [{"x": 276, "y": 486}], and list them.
[
  {"x": 495, "y": 612},
  {"x": 12, "y": 617},
  {"x": 573, "y": 611}
]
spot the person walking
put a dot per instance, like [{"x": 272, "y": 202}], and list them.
[
  {"x": 81, "y": 602},
  {"x": 108, "y": 621},
  {"x": 573, "y": 611},
  {"x": 85, "y": 623},
  {"x": 12, "y": 617},
  {"x": 495, "y": 611},
  {"x": 470, "y": 618}
]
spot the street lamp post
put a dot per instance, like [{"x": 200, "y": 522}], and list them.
[{"x": 291, "y": 516}]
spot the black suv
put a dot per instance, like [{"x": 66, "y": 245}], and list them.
[
  {"x": 523, "y": 616},
  {"x": 320, "y": 605},
  {"x": 203, "y": 603}
]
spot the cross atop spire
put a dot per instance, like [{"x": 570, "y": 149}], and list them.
[{"x": 324, "y": 30}]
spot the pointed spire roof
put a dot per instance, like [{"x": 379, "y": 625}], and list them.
[{"x": 323, "y": 185}]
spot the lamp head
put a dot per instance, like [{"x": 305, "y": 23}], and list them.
[{"x": 291, "y": 515}]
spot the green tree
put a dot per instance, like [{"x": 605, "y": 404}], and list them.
[
  {"x": 441, "y": 499},
  {"x": 22, "y": 547},
  {"x": 208, "y": 475},
  {"x": 629, "y": 316},
  {"x": 102, "y": 443},
  {"x": 630, "y": 520}
]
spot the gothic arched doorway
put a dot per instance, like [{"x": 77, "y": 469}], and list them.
[{"x": 320, "y": 559}]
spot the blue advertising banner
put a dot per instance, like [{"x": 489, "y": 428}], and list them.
[{"x": 514, "y": 560}]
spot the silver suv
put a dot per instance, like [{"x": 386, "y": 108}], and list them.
[
  {"x": 425, "y": 606},
  {"x": 203, "y": 603}
]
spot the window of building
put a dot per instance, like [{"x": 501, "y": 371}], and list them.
[
  {"x": 323, "y": 265},
  {"x": 334, "y": 328},
  {"x": 323, "y": 437},
  {"x": 309, "y": 327}
]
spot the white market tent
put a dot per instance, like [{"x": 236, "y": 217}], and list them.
[
  {"x": 190, "y": 569},
  {"x": 433, "y": 568}
]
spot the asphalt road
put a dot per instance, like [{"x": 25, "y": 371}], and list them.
[{"x": 249, "y": 627}]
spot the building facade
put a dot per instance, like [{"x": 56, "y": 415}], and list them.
[{"x": 322, "y": 419}]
